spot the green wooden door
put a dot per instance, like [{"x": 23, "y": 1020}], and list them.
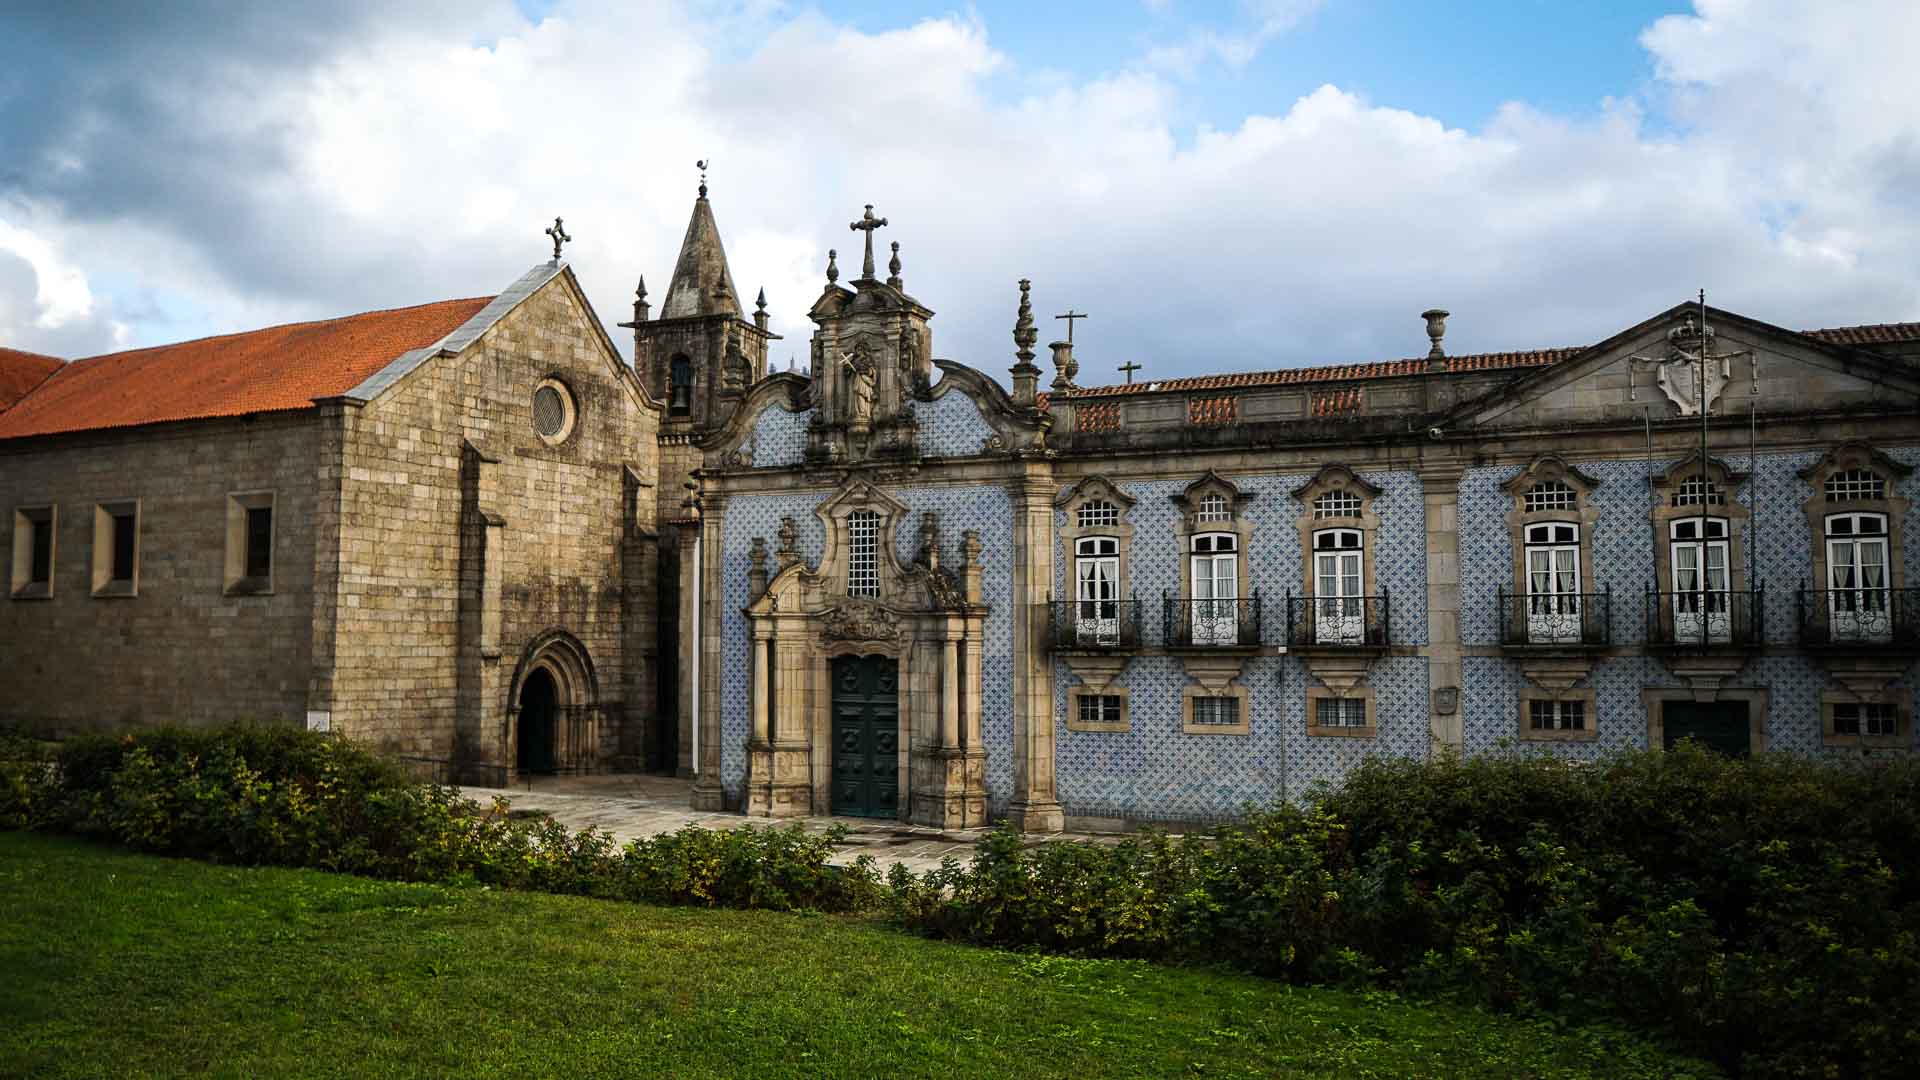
[
  {"x": 866, "y": 736},
  {"x": 1721, "y": 726}
]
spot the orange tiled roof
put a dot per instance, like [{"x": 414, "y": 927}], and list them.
[
  {"x": 273, "y": 370},
  {"x": 22, "y": 371},
  {"x": 1870, "y": 334}
]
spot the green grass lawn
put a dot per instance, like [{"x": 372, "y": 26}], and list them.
[{"x": 112, "y": 964}]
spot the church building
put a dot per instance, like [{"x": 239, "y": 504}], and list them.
[{"x": 893, "y": 585}]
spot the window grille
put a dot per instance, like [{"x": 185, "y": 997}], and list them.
[
  {"x": 1697, "y": 490},
  {"x": 1865, "y": 718},
  {"x": 1549, "y": 495},
  {"x": 1853, "y": 485},
  {"x": 1347, "y": 712},
  {"x": 1222, "y": 711},
  {"x": 1545, "y": 715},
  {"x": 1100, "y": 708},
  {"x": 1337, "y": 503},
  {"x": 1214, "y": 508},
  {"x": 863, "y": 553},
  {"x": 1098, "y": 512}
]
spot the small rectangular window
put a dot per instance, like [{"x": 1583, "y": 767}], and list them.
[
  {"x": 1332, "y": 712},
  {"x": 42, "y": 569},
  {"x": 1222, "y": 711},
  {"x": 1100, "y": 708},
  {"x": 1866, "y": 718},
  {"x": 259, "y": 541},
  {"x": 116, "y": 548},
  {"x": 1549, "y": 715},
  {"x": 34, "y": 533},
  {"x": 863, "y": 553}
]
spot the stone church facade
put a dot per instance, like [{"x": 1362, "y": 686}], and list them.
[{"x": 891, "y": 585}]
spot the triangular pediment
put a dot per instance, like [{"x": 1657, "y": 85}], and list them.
[{"x": 1644, "y": 371}]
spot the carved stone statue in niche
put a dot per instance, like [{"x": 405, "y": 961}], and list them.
[
  {"x": 736, "y": 372},
  {"x": 861, "y": 376}
]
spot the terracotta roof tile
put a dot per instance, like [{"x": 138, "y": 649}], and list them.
[
  {"x": 1341, "y": 401},
  {"x": 1097, "y": 416},
  {"x": 22, "y": 371},
  {"x": 1870, "y": 334},
  {"x": 1333, "y": 373},
  {"x": 1207, "y": 411},
  {"x": 272, "y": 370}
]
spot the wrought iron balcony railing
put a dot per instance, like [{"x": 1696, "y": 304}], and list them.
[
  {"x": 1865, "y": 619},
  {"x": 1707, "y": 619},
  {"x": 1210, "y": 624},
  {"x": 1555, "y": 620},
  {"x": 1093, "y": 624},
  {"x": 1345, "y": 622}
]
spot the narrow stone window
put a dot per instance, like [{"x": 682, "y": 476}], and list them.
[
  {"x": 259, "y": 541},
  {"x": 33, "y": 536},
  {"x": 250, "y": 538},
  {"x": 116, "y": 548},
  {"x": 863, "y": 553}
]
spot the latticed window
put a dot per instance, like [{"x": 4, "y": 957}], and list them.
[
  {"x": 1348, "y": 712},
  {"x": 1223, "y": 711},
  {"x": 1854, "y": 485},
  {"x": 1214, "y": 508},
  {"x": 1697, "y": 490},
  {"x": 1096, "y": 513},
  {"x": 863, "y": 553},
  {"x": 1549, "y": 495},
  {"x": 1546, "y": 715},
  {"x": 1337, "y": 503},
  {"x": 1865, "y": 718},
  {"x": 1100, "y": 708}
]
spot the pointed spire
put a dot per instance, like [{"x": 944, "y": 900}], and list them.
[
  {"x": 760, "y": 309},
  {"x": 640, "y": 301},
  {"x": 893, "y": 266},
  {"x": 1026, "y": 376},
  {"x": 702, "y": 284},
  {"x": 833, "y": 269}
]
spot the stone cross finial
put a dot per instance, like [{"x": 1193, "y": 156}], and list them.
[
  {"x": 1070, "y": 316},
  {"x": 893, "y": 266},
  {"x": 559, "y": 235},
  {"x": 867, "y": 224},
  {"x": 1128, "y": 369}
]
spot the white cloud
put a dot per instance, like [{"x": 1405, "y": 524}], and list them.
[{"x": 409, "y": 163}]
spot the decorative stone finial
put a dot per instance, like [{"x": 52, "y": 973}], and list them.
[
  {"x": 833, "y": 269},
  {"x": 559, "y": 236},
  {"x": 930, "y": 540},
  {"x": 1436, "y": 329},
  {"x": 760, "y": 309},
  {"x": 1026, "y": 377},
  {"x": 893, "y": 266},
  {"x": 1065, "y": 367},
  {"x": 640, "y": 301}
]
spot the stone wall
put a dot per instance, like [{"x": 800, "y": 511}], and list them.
[
  {"x": 429, "y": 466},
  {"x": 180, "y": 650}
]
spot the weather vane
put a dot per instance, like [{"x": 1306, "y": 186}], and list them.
[
  {"x": 559, "y": 235},
  {"x": 702, "y": 166}
]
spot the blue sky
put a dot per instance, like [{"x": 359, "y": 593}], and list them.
[{"x": 1225, "y": 186}]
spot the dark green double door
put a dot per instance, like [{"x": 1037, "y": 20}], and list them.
[
  {"x": 866, "y": 736},
  {"x": 1720, "y": 726}
]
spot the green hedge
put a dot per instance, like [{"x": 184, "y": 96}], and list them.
[{"x": 1763, "y": 914}]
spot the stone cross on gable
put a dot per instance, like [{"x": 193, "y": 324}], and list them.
[
  {"x": 1129, "y": 368},
  {"x": 867, "y": 224},
  {"x": 559, "y": 235}
]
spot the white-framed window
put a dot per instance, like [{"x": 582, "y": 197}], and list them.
[
  {"x": 1216, "y": 711},
  {"x": 1553, "y": 582},
  {"x": 1550, "y": 495},
  {"x": 1549, "y": 714},
  {"x": 1698, "y": 556},
  {"x": 1102, "y": 709},
  {"x": 1096, "y": 590},
  {"x": 1338, "y": 503},
  {"x": 34, "y": 532},
  {"x": 1340, "y": 712},
  {"x": 1339, "y": 576},
  {"x": 1866, "y": 718},
  {"x": 1855, "y": 485},
  {"x": 1098, "y": 514},
  {"x": 1214, "y": 508},
  {"x": 1697, "y": 490},
  {"x": 863, "y": 553},
  {"x": 1857, "y": 577},
  {"x": 1214, "y": 563}
]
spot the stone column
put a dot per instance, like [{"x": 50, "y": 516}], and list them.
[
  {"x": 1035, "y": 807},
  {"x": 707, "y": 792},
  {"x": 758, "y": 700},
  {"x": 1440, "y": 484},
  {"x": 949, "y": 692}
]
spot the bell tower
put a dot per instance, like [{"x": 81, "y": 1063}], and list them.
[{"x": 701, "y": 354}]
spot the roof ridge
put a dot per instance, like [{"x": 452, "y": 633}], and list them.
[
  {"x": 275, "y": 326},
  {"x": 1359, "y": 369}
]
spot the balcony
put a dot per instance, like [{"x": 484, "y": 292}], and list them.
[
  {"x": 1859, "y": 620},
  {"x": 1093, "y": 625},
  {"x": 1350, "y": 623},
  {"x": 1712, "y": 620},
  {"x": 1562, "y": 622},
  {"x": 1210, "y": 624}
]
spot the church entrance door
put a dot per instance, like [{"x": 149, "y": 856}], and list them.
[
  {"x": 866, "y": 736},
  {"x": 1720, "y": 726},
  {"x": 539, "y": 701}
]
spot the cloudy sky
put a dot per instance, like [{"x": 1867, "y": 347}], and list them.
[{"x": 1224, "y": 186}]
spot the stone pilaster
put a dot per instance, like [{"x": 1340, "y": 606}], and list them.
[
  {"x": 702, "y": 576},
  {"x": 1035, "y": 806},
  {"x": 1440, "y": 484}
]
